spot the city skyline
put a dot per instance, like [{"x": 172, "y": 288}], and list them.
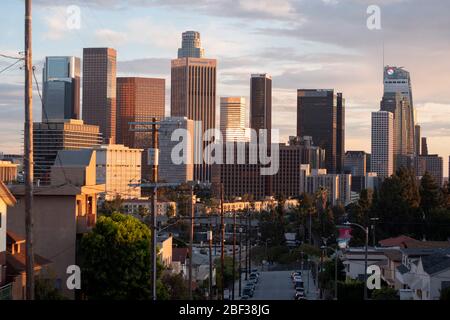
[{"x": 312, "y": 60}]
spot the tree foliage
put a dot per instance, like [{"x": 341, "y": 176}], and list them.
[{"x": 116, "y": 259}]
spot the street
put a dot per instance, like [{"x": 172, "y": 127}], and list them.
[{"x": 277, "y": 285}]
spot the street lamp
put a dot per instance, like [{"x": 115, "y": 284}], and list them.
[{"x": 366, "y": 230}]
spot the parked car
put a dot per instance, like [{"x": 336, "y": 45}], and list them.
[
  {"x": 297, "y": 279},
  {"x": 245, "y": 297},
  {"x": 299, "y": 285},
  {"x": 255, "y": 271},
  {"x": 249, "y": 290},
  {"x": 254, "y": 277}
]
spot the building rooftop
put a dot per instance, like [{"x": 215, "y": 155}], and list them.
[
  {"x": 64, "y": 190},
  {"x": 6, "y": 195},
  {"x": 435, "y": 263},
  {"x": 73, "y": 158}
]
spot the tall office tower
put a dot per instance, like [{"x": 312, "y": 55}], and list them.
[
  {"x": 317, "y": 116},
  {"x": 118, "y": 168},
  {"x": 312, "y": 155},
  {"x": 170, "y": 170},
  {"x": 49, "y": 138},
  {"x": 232, "y": 119},
  {"x": 433, "y": 164},
  {"x": 401, "y": 109},
  {"x": 99, "y": 90},
  {"x": 138, "y": 100},
  {"x": 340, "y": 133},
  {"x": 191, "y": 45},
  {"x": 61, "y": 88},
  {"x": 382, "y": 157},
  {"x": 397, "y": 79},
  {"x": 424, "y": 151},
  {"x": 356, "y": 163},
  {"x": 417, "y": 140},
  {"x": 261, "y": 103},
  {"x": 193, "y": 95}
]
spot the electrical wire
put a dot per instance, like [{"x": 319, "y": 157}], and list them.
[{"x": 10, "y": 66}]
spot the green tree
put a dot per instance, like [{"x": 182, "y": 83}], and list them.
[
  {"x": 176, "y": 286},
  {"x": 109, "y": 207},
  {"x": 430, "y": 194},
  {"x": 327, "y": 276},
  {"x": 228, "y": 272},
  {"x": 116, "y": 259},
  {"x": 351, "y": 290},
  {"x": 385, "y": 293},
  {"x": 44, "y": 289},
  {"x": 397, "y": 205},
  {"x": 445, "y": 294}
]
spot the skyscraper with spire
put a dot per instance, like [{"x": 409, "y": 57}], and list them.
[
  {"x": 193, "y": 95},
  {"x": 398, "y": 100}
]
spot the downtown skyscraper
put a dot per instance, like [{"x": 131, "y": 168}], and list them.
[
  {"x": 99, "y": 90},
  {"x": 193, "y": 95},
  {"x": 321, "y": 115},
  {"x": 232, "y": 119},
  {"x": 61, "y": 89},
  {"x": 382, "y": 157},
  {"x": 398, "y": 99},
  {"x": 139, "y": 100},
  {"x": 261, "y": 103}
]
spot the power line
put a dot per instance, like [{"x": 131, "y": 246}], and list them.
[
  {"x": 11, "y": 57},
  {"x": 10, "y": 66}
]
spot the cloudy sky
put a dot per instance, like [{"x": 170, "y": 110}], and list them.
[{"x": 301, "y": 43}]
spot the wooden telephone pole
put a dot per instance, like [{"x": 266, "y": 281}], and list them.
[{"x": 28, "y": 154}]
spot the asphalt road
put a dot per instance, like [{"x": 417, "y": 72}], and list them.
[
  {"x": 274, "y": 285},
  {"x": 277, "y": 285}
]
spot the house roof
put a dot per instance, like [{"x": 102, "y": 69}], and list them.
[
  {"x": 394, "y": 255},
  {"x": 73, "y": 158},
  {"x": 64, "y": 190},
  {"x": 408, "y": 242},
  {"x": 6, "y": 195},
  {"x": 12, "y": 237},
  {"x": 15, "y": 263},
  {"x": 180, "y": 254},
  {"x": 400, "y": 241},
  {"x": 435, "y": 263}
]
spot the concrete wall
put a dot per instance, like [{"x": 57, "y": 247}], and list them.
[{"x": 55, "y": 231}]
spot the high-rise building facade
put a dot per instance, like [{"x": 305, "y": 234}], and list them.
[
  {"x": 99, "y": 90},
  {"x": 417, "y": 140},
  {"x": 404, "y": 129},
  {"x": 191, "y": 45},
  {"x": 317, "y": 116},
  {"x": 356, "y": 163},
  {"x": 193, "y": 95},
  {"x": 232, "y": 119},
  {"x": 261, "y": 103},
  {"x": 138, "y": 100},
  {"x": 49, "y": 138},
  {"x": 170, "y": 171},
  {"x": 340, "y": 132},
  {"x": 398, "y": 80},
  {"x": 424, "y": 147},
  {"x": 61, "y": 89},
  {"x": 382, "y": 156},
  {"x": 433, "y": 164},
  {"x": 119, "y": 169}
]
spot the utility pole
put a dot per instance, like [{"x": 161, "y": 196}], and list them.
[
  {"x": 154, "y": 204},
  {"x": 210, "y": 239},
  {"x": 249, "y": 243},
  {"x": 191, "y": 240},
  {"x": 222, "y": 244},
  {"x": 28, "y": 153},
  {"x": 240, "y": 255},
  {"x": 246, "y": 251},
  {"x": 234, "y": 254}
]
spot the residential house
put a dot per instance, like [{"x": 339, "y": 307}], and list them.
[
  {"x": 63, "y": 212},
  {"x": 6, "y": 200}
]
